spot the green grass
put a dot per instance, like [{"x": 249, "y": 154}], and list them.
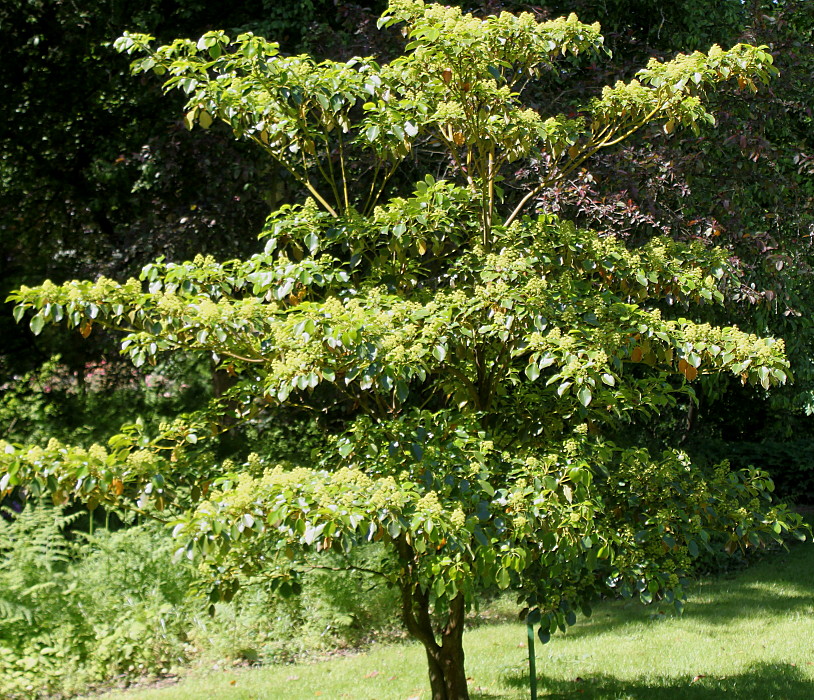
[{"x": 749, "y": 636}]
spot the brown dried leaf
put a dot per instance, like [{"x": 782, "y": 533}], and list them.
[{"x": 687, "y": 370}]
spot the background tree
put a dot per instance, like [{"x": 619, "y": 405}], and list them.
[{"x": 470, "y": 362}]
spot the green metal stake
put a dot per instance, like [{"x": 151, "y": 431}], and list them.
[{"x": 532, "y": 661}]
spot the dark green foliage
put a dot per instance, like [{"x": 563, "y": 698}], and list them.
[
  {"x": 790, "y": 462},
  {"x": 98, "y": 178},
  {"x": 84, "y": 405},
  {"x": 680, "y": 25}
]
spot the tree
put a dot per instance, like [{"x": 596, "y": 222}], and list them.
[{"x": 471, "y": 363}]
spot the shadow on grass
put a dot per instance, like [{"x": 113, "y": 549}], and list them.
[
  {"x": 783, "y": 583},
  {"x": 759, "y": 682}
]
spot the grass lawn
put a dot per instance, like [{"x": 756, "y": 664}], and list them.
[{"x": 748, "y": 636}]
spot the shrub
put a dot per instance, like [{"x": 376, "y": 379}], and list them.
[{"x": 78, "y": 610}]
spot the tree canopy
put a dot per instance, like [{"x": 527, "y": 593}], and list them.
[{"x": 475, "y": 362}]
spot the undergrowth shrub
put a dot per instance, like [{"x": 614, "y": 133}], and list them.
[
  {"x": 79, "y": 610},
  {"x": 336, "y": 609},
  {"x": 34, "y": 619},
  {"x": 84, "y": 406}
]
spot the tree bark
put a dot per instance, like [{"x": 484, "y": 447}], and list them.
[
  {"x": 451, "y": 657},
  {"x": 445, "y": 661}
]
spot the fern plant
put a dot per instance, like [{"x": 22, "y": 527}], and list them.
[{"x": 34, "y": 552}]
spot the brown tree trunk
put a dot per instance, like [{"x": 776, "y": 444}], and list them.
[
  {"x": 445, "y": 661},
  {"x": 451, "y": 657}
]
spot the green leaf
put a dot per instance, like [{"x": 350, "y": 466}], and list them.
[
  {"x": 312, "y": 241},
  {"x": 487, "y": 488},
  {"x": 764, "y": 375},
  {"x": 584, "y": 395},
  {"x": 205, "y": 119},
  {"x": 346, "y": 448},
  {"x": 503, "y": 578},
  {"x": 641, "y": 278},
  {"x": 37, "y": 323},
  {"x": 439, "y": 352}
]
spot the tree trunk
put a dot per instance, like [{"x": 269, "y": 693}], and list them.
[
  {"x": 445, "y": 661},
  {"x": 451, "y": 657}
]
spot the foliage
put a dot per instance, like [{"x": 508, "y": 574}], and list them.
[
  {"x": 790, "y": 462},
  {"x": 78, "y": 610},
  {"x": 339, "y": 606},
  {"x": 472, "y": 363},
  {"x": 744, "y": 186},
  {"x": 87, "y": 609},
  {"x": 98, "y": 178},
  {"x": 54, "y": 401},
  {"x": 677, "y": 26}
]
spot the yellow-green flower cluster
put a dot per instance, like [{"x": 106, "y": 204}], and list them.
[
  {"x": 457, "y": 518},
  {"x": 97, "y": 453},
  {"x": 141, "y": 461},
  {"x": 429, "y": 505}
]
